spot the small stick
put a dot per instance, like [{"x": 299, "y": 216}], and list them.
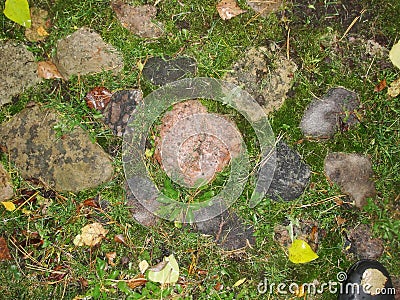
[{"x": 352, "y": 24}]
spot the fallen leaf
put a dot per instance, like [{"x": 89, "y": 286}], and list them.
[
  {"x": 91, "y": 202},
  {"x": 92, "y": 234},
  {"x": 300, "y": 252},
  {"x": 139, "y": 280},
  {"x": 239, "y": 282},
  {"x": 340, "y": 221},
  {"x": 57, "y": 274},
  {"x": 218, "y": 286},
  {"x": 48, "y": 70},
  {"x": 394, "y": 88},
  {"x": 18, "y": 11},
  {"x": 98, "y": 98},
  {"x": 380, "y": 86},
  {"x": 110, "y": 257},
  {"x": 394, "y": 54},
  {"x": 119, "y": 238},
  {"x": 143, "y": 266},
  {"x": 227, "y": 9},
  {"x": 40, "y": 22},
  {"x": 4, "y": 252},
  {"x": 165, "y": 272},
  {"x": 8, "y": 205}
]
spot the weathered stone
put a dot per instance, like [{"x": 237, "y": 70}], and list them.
[
  {"x": 353, "y": 173},
  {"x": 229, "y": 230},
  {"x": 71, "y": 162},
  {"x": 264, "y": 74},
  {"x": 18, "y": 70},
  {"x": 138, "y": 19},
  {"x": 336, "y": 110},
  {"x": 85, "y": 52},
  {"x": 6, "y": 188},
  {"x": 160, "y": 71},
  {"x": 363, "y": 244},
  {"x": 122, "y": 105},
  {"x": 291, "y": 175}
]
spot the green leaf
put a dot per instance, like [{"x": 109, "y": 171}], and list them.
[
  {"x": 300, "y": 252},
  {"x": 394, "y": 54},
  {"x": 166, "y": 272},
  {"x": 18, "y": 11}
]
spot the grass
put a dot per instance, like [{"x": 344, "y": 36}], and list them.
[{"x": 215, "y": 44}]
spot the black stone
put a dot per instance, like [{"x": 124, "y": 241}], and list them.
[{"x": 160, "y": 71}]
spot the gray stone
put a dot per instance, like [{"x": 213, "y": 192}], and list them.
[
  {"x": 85, "y": 52},
  {"x": 336, "y": 110},
  {"x": 291, "y": 175},
  {"x": 6, "y": 188},
  {"x": 353, "y": 173},
  {"x": 229, "y": 230},
  {"x": 160, "y": 71},
  {"x": 265, "y": 74},
  {"x": 363, "y": 244},
  {"x": 122, "y": 105},
  {"x": 71, "y": 162},
  {"x": 18, "y": 70}
]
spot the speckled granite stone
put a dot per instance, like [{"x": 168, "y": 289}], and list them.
[
  {"x": 18, "y": 70},
  {"x": 291, "y": 175},
  {"x": 68, "y": 163}
]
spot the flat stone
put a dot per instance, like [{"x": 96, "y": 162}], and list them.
[
  {"x": 85, "y": 52},
  {"x": 18, "y": 70},
  {"x": 138, "y": 19},
  {"x": 265, "y": 74},
  {"x": 160, "y": 71},
  {"x": 229, "y": 230},
  {"x": 121, "y": 106},
  {"x": 6, "y": 188},
  {"x": 71, "y": 162},
  {"x": 353, "y": 173},
  {"x": 291, "y": 176},
  {"x": 336, "y": 110},
  {"x": 363, "y": 244}
]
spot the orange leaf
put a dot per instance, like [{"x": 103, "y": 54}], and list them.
[
  {"x": 227, "y": 9},
  {"x": 4, "y": 252},
  {"x": 98, "y": 98},
  {"x": 137, "y": 281},
  {"x": 48, "y": 70},
  {"x": 380, "y": 86}
]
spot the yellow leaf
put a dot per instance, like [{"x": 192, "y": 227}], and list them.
[
  {"x": 239, "y": 282},
  {"x": 394, "y": 55},
  {"x": 41, "y": 31},
  {"x": 8, "y": 205},
  {"x": 92, "y": 234},
  {"x": 300, "y": 252},
  {"x": 18, "y": 11},
  {"x": 166, "y": 272}
]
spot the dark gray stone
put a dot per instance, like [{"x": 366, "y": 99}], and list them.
[
  {"x": 363, "y": 244},
  {"x": 291, "y": 175},
  {"x": 336, "y": 110},
  {"x": 160, "y": 71}
]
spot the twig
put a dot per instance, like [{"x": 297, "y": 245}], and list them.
[{"x": 352, "y": 24}]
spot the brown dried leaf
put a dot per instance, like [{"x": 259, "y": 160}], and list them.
[
  {"x": 340, "y": 221},
  {"x": 218, "y": 286},
  {"x": 119, "y": 238},
  {"x": 137, "y": 281},
  {"x": 58, "y": 274},
  {"x": 48, "y": 70},
  {"x": 4, "y": 252},
  {"x": 228, "y": 9},
  {"x": 380, "y": 86},
  {"x": 40, "y": 22},
  {"x": 394, "y": 88},
  {"x": 110, "y": 257},
  {"x": 91, "y": 202},
  {"x": 92, "y": 234},
  {"x": 98, "y": 98}
]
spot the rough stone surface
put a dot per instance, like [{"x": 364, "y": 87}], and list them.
[
  {"x": 291, "y": 175},
  {"x": 265, "y": 74},
  {"x": 352, "y": 172},
  {"x": 85, "y": 52},
  {"x": 229, "y": 231},
  {"x": 6, "y": 188},
  {"x": 200, "y": 156},
  {"x": 18, "y": 70},
  {"x": 160, "y": 71},
  {"x": 363, "y": 244},
  {"x": 138, "y": 19},
  {"x": 336, "y": 110},
  {"x": 122, "y": 105},
  {"x": 138, "y": 211},
  {"x": 71, "y": 162},
  {"x": 264, "y": 7}
]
